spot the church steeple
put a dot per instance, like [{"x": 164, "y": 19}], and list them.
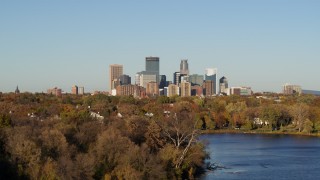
[{"x": 17, "y": 91}]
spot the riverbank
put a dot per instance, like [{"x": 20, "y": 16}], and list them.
[{"x": 239, "y": 131}]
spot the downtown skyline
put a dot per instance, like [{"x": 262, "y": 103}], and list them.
[{"x": 259, "y": 44}]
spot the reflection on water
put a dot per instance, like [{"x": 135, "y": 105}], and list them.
[{"x": 248, "y": 156}]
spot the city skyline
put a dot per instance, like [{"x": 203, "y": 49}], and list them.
[{"x": 258, "y": 44}]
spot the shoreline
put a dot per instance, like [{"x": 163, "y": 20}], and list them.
[{"x": 231, "y": 131}]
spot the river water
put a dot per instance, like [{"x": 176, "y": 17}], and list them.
[{"x": 250, "y": 156}]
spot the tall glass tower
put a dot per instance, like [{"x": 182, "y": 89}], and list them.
[
  {"x": 184, "y": 67},
  {"x": 211, "y": 75},
  {"x": 153, "y": 66}
]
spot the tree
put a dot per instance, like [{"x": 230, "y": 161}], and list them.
[{"x": 300, "y": 114}]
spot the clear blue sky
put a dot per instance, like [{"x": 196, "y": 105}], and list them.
[{"x": 257, "y": 43}]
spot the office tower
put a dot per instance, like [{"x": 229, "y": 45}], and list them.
[
  {"x": 81, "y": 90},
  {"x": 211, "y": 74},
  {"x": 223, "y": 85},
  {"x": 55, "y": 91},
  {"x": 208, "y": 87},
  {"x": 173, "y": 90},
  {"x": 196, "y": 90},
  {"x": 115, "y": 71},
  {"x": 185, "y": 89},
  {"x": 144, "y": 77},
  {"x": 153, "y": 67},
  {"x": 176, "y": 78},
  {"x": 152, "y": 89},
  {"x": 184, "y": 78},
  {"x": 291, "y": 89},
  {"x": 125, "y": 79},
  {"x": 163, "y": 81},
  {"x": 184, "y": 68},
  {"x": 74, "y": 90},
  {"x": 196, "y": 79},
  {"x": 137, "y": 78}
]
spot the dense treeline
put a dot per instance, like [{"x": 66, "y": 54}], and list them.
[{"x": 48, "y": 137}]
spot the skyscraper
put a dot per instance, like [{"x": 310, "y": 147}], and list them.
[
  {"x": 185, "y": 89},
  {"x": 163, "y": 81},
  {"x": 125, "y": 79},
  {"x": 144, "y": 77},
  {"x": 115, "y": 71},
  {"x": 223, "y": 85},
  {"x": 74, "y": 90},
  {"x": 211, "y": 74},
  {"x": 176, "y": 78},
  {"x": 209, "y": 87},
  {"x": 152, "y": 66},
  {"x": 81, "y": 90},
  {"x": 196, "y": 79},
  {"x": 173, "y": 90},
  {"x": 152, "y": 89},
  {"x": 184, "y": 67}
]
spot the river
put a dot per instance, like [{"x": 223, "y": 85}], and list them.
[{"x": 251, "y": 156}]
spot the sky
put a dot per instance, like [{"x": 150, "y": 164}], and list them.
[{"x": 259, "y": 43}]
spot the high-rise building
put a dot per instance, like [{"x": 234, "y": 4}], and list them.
[
  {"x": 163, "y": 81},
  {"x": 173, "y": 90},
  {"x": 176, "y": 78},
  {"x": 196, "y": 79},
  {"x": 81, "y": 90},
  {"x": 184, "y": 67},
  {"x": 185, "y": 89},
  {"x": 153, "y": 66},
  {"x": 152, "y": 89},
  {"x": 115, "y": 71},
  {"x": 223, "y": 85},
  {"x": 125, "y": 79},
  {"x": 196, "y": 90},
  {"x": 144, "y": 77},
  {"x": 74, "y": 90},
  {"x": 209, "y": 87},
  {"x": 184, "y": 78},
  {"x": 55, "y": 91},
  {"x": 211, "y": 74},
  {"x": 292, "y": 89}
]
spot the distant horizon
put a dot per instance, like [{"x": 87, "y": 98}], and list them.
[{"x": 260, "y": 44}]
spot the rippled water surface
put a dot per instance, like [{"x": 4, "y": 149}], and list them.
[{"x": 248, "y": 156}]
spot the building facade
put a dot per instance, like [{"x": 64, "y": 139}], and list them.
[
  {"x": 185, "y": 89},
  {"x": 292, "y": 89},
  {"x": 74, "y": 90},
  {"x": 55, "y": 91},
  {"x": 176, "y": 78},
  {"x": 241, "y": 91},
  {"x": 152, "y": 89},
  {"x": 211, "y": 74},
  {"x": 196, "y": 79},
  {"x": 127, "y": 90},
  {"x": 184, "y": 67},
  {"x": 115, "y": 71},
  {"x": 125, "y": 79},
  {"x": 81, "y": 90},
  {"x": 208, "y": 87},
  {"x": 173, "y": 90},
  {"x": 153, "y": 66},
  {"x": 223, "y": 85}
]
